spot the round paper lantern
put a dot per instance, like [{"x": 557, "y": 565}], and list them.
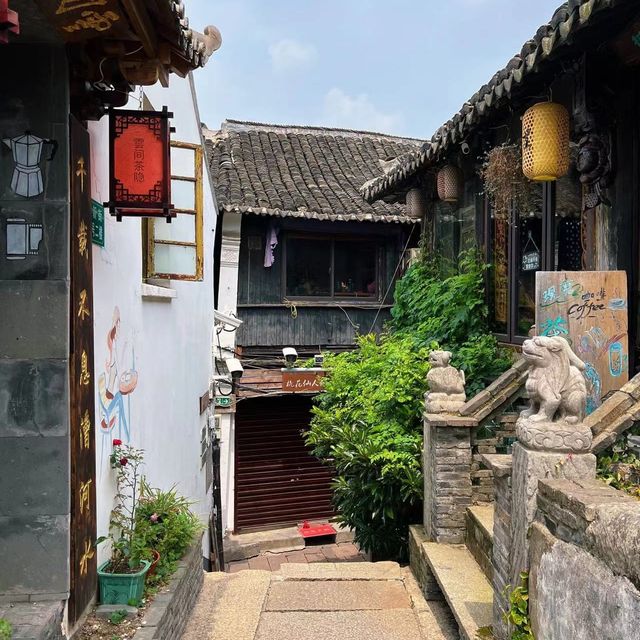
[
  {"x": 449, "y": 183},
  {"x": 545, "y": 141}
]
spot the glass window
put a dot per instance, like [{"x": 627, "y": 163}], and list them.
[
  {"x": 568, "y": 222},
  {"x": 331, "y": 268},
  {"x": 175, "y": 249},
  {"x": 354, "y": 269},
  {"x": 308, "y": 267}
]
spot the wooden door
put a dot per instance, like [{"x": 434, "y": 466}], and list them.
[
  {"x": 81, "y": 384},
  {"x": 278, "y": 481}
]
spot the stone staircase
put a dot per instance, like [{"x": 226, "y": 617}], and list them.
[
  {"x": 459, "y": 574},
  {"x": 324, "y": 601}
]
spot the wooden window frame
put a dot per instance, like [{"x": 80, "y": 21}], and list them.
[
  {"x": 197, "y": 213},
  {"x": 333, "y": 298}
]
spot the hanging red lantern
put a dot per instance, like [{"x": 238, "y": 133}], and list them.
[
  {"x": 140, "y": 164},
  {"x": 449, "y": 182},
  {"x": 9, "y": 22}
]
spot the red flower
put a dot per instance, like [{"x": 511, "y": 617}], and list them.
[
  {"x": 116, "y": 442},
  {"x": 124, "y": 462}
]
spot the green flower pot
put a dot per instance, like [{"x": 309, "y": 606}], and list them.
[{"x": 121, "y": 588}]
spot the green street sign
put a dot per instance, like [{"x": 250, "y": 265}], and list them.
[
  {"x": 97, "y": 223},
  {"x": 223, "y": 401}
]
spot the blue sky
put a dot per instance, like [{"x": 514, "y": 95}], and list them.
[{"x": 399, "y": 66}]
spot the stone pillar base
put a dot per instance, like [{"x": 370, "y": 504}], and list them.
[
  {"x": 529, "y": 467},
  {"x": 447, "y": 476}
]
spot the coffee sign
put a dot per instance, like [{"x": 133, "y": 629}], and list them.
[{"x": 590, "y": 310}]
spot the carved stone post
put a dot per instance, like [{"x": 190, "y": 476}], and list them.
[
  {"x": 552, "y": 442},
  {"x": 447, "y": 452}
]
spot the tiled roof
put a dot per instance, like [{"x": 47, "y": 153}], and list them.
[
  {"x": 568, "y": 19},
  {"x": 196, "y": 47},
  {"x": 303, "y": 172}
]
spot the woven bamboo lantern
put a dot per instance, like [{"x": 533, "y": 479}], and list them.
[
  {"x": 449, "y": 179},
  {"x": 545, "y": 141},
  {"x": 416, "y": 203}
]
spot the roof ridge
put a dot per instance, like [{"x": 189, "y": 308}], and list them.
[{"x": 296, "y": 128}]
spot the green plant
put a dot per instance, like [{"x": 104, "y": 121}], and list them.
[
  {"x": 367, "y": 423},
  {"x": 518, "y": 614},
  {"x": 166, "y": 524},
  {"x": 6, "y": 630},
  {"x": 619, "y": 466},
  {"x": 118, "y": 616},
  {"x": 127, "y": 548}
]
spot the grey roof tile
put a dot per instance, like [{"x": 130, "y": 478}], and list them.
[{"x": 302, "y": 172}]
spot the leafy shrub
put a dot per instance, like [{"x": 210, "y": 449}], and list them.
[
  {"x": 619, "y": 466},
  {"x": 367, "y": 423},
  {"x": 166, "y": 524},
  {"x": 6, "y": 630},
  {"x": 518, "y": 614}
]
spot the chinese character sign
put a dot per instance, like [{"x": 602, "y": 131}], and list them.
[
  {"x": 589, "y": 309},
  {"x": 140, "y": 181}
]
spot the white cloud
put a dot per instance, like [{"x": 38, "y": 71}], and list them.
[
  {"x": 357, "y": 112},
  {"x": 288, "y": 55}
]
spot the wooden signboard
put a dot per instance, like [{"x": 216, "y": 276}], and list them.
[
  {"x": 590, "y": 310},
  {"x": 302, "y": 380},
  {"x": 81, "y": 384}
]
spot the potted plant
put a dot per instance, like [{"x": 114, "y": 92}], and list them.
[
  {"x": 166, "y": 526},
  {"x": 121, "y": 578}
]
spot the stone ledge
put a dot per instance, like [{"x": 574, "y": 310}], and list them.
[
  {"x": 35, "y": 620},
  {"x": 500, "y": 464},
  {"x": 449, "y": 420},
  {"x": 168, "y": 613}
]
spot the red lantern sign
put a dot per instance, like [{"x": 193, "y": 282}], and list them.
[{"x": 140, "y": 165}]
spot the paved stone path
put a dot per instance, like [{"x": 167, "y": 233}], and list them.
[
  {"x": 322, "y": 600},
  {"x": 269, "y": 561}
]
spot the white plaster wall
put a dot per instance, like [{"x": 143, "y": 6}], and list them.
[
  {"x": 228, "y": 303},
  {"x": 170, "y": 340}
]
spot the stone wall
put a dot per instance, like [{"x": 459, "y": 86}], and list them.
[
  {"x": 168, "y": 614},
  {"x": 585, "y": 567},
  {"x": 34, "y": 341},
  {"x": 493, "y": 438}
]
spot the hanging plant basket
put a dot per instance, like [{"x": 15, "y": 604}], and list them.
[{"x": 504, "y": 183}]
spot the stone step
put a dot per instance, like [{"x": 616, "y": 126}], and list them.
[
  {"x": 479, "y": 536},
  {"x": 463, "y": 584},
  {"x": 341, "y": 571},
  {"x": 229, "y": 606}
]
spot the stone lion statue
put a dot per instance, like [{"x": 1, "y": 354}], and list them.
[
  {"x": 446, "y": 385},
  {"x": 555, "y": 384}
]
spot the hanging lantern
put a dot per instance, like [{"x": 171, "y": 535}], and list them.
[
  {"x": 545, "y": 141},
  {"x": 449, "y": 180},
  {"x": 416, "y": 203},
  {"x": 140, "y": 164}
]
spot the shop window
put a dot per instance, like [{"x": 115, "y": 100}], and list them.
[
  {"x": 331, "y": 267},
  {"x": 545, "y": 235},
  {"x": 174, "y": 250}
]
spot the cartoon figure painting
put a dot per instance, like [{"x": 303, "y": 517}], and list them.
[{"x": 115, "y": 384}]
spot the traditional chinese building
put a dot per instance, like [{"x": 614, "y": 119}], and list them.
[
  {"x": 95, "y": 314},
  {"x": 305, "y": 263},
  {"x": 581, "y": 70}
]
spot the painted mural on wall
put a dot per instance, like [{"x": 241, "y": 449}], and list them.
[
  {"x": 590, "y": 310},
  {"x": 26, "y": 149},
  {"x": 115, "y": 386}
]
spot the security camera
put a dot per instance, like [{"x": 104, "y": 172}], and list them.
[
  {"x": 290, "y": 356},
  {"x": 235, "y": 368},
  {"x": 465, "y": 148},
  {"x": 224, "y": 318}
]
